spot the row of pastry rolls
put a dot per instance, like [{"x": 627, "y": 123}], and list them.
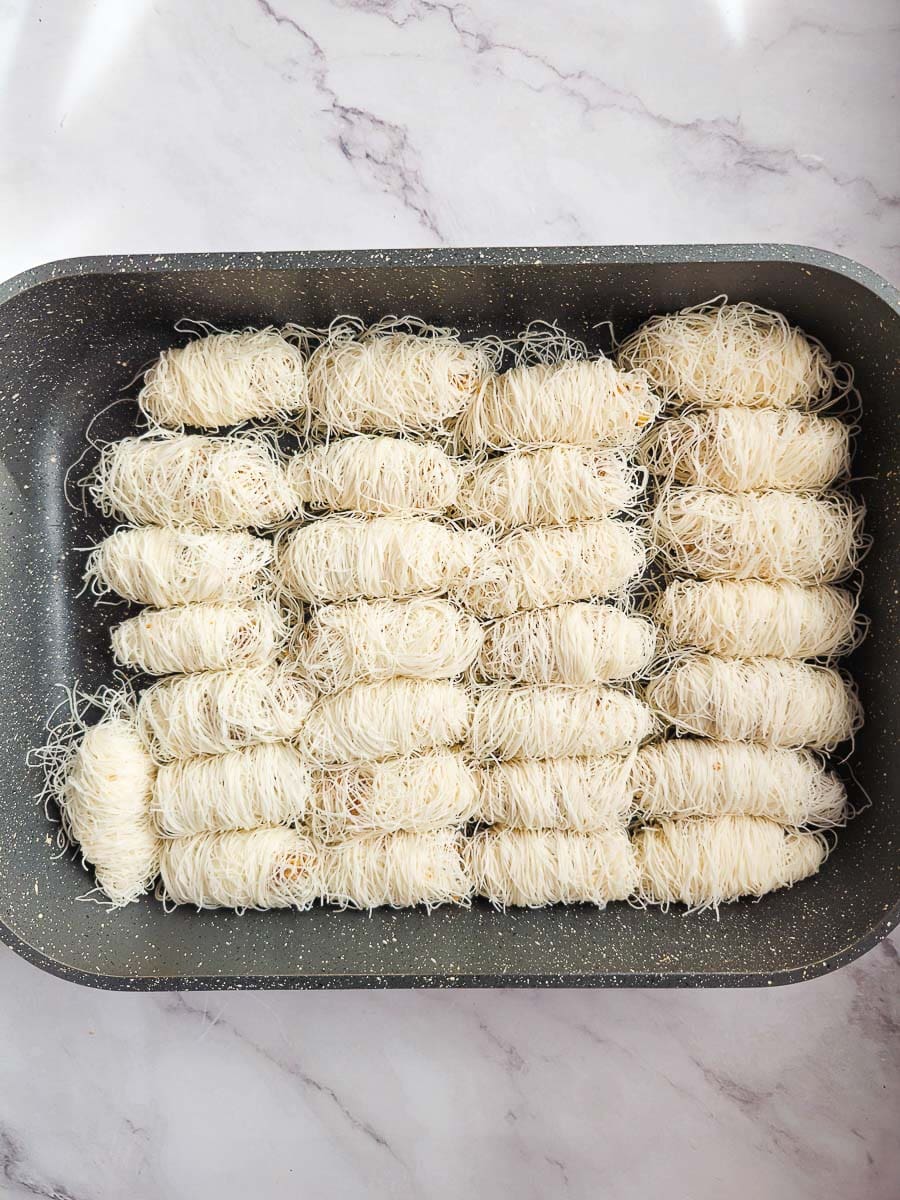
[{"x": 753, "y": 540}]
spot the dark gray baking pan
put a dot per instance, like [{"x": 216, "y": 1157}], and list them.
[{"x": 74, "y": 333}]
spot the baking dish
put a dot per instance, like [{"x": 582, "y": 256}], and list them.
[{"x": 74, "y": 333}]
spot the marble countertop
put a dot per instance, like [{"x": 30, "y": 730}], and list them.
[{"x": 149, "y": 125}]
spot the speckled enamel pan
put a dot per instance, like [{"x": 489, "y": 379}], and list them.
[{"x": 72, "y": 336}]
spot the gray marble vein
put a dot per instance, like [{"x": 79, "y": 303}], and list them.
[
  {"x": 380, "y": 150},
  {"x": 182, "y": 1004}
]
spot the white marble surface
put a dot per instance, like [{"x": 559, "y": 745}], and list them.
[
  {"x": 274, "y": 124},
  {"x": 789, "y": 1094},
  {"x": 132, "y": 125}
]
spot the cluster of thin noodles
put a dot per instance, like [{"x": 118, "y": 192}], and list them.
[
  {"x": 348, "y": 772},
  {"x": 344, "y": 558},
  {"x": 532, "y": 868},
  {"x": 397, "y": 376},
  {"x": 263, "y": 784},
  {"x": 746, "y": 618},
  {"x": 580, "y": 794},
  {"x": 101, "y": 778},
  {"x": 553, "y": 485},
  {"x": 379, "y": 476},
  {"x": 373, "y": 640},
  {"x": 200, "y": 637},
  {"x": 176, "y": 479},
  {"x": 581, "y": 402},
  {"x": 742, "y": 449},
  {"x": 556, "y": 722},
  {"x": 777, "y": 702},
  {"x": 571, "y": 643},
  {"x": 211, "y": 712},
  {"x": 163, "y": 566},
  {"x": 372, "y": 721},
  {"x": 268, "y": 867},
  {"x": 225, "y": 378},
  {"x": 397, "y": 870},
  {"x": 417, "y": 792},
  {"x": 691, "y": 777},
  {"x": 537, "y": 568},
  {"x": 704, "y": 863},
  {"x": 759, "y": 535},
  {"x": 722, "y": 353}
]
